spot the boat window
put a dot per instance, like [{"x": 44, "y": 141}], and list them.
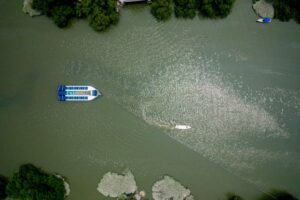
[{"x": 94, "y": 93}]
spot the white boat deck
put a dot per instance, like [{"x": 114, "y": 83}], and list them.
[
  {"x": 132, "y": 1},
  {"x": 77, "y": 93}
]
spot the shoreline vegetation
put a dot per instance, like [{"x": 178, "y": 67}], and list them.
[
  {"x": 32, "y": 183},
  {"x": 99, "y": 13},
  {"x": 102, "y": 14}
]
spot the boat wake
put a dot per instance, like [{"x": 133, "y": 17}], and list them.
[{"x": 163, "y": 124}]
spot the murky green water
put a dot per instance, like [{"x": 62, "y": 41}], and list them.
[{"x": 237, "y": 83}]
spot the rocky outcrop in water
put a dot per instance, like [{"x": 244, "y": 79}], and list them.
[
  {"x": 168, "y": 188},
  {"x": 264, "y": 8},
  {"x": 115, "y": 185},
  {"x": 27, "y": 8}
]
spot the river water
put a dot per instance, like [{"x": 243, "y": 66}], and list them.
[{"x": 235, "y": 82}]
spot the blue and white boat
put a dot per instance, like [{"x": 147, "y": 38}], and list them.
[
  {"x": 264, "y": 20},
  {"x": 77, "y": 93}
]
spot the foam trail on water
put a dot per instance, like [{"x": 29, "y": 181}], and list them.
[{"x": 225, "y": 123}]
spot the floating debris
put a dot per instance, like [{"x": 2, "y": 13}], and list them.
[
  {"x": 115, "y": 185},
  {"x": 168, "y": 188}
]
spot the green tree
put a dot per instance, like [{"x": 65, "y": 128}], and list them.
[
  {"x": 61, "y": 15},
  {"x": 45, "y": 6},
  {"x": 98, "y": 20},
  {"x": 232, "y": 196},
  {"x": 3, "y": 184},
  {"x": 161, "y": 9},
  {"x": 284, "y": 10},
  {"x": 297, "y": 8},
  {"x": 31, "y": 183},
  {"x": 185, "y": 8},
  {"x": 100, "y": 13},
  {"x": 61, "y": 11},
  {"x": 278, "y": 195},
  {"x": 287, "y": 9},
  {"x": 215, "y": 8},
  {"x": 83, "y": 8}
]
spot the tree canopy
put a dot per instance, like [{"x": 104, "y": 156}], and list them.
[
  {"x": 31, "y": 183},
  {"x": 215, "y": 8},
  {"x": 278, "y": 195},
  {"x": 185, "y": 8},
  {"x": 232, "y": 196},
  {"x": 100, "y": 13},
  {"x": 287, "y": 9},
  {"x": 3, "y": 184},
  {"x": 161, "y": 9},
  {"x": 61, "y": 11}
]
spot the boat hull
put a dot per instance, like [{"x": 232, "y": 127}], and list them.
[
  {"x": 77, "y": 93},
  {"x": 182, "y": 127},
  {"x": 264, "y": 20}
]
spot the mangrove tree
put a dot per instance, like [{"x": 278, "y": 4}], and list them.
[
  {"x": 161, "y": 9},
  {"x": 3, "y": 184},
  {"x": 31, "y": 183},
  {"x": 100, "y": 13},
  {"x": 287, "y": 9},
  {"x": 185, "y": 8},
  {"x": 215, "y": 8}
]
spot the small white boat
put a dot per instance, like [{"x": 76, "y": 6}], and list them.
[
  {"x": 264, "y": 20},
  {"x": 77, "y": 93},
  {"x": 182, "y": 127}
]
